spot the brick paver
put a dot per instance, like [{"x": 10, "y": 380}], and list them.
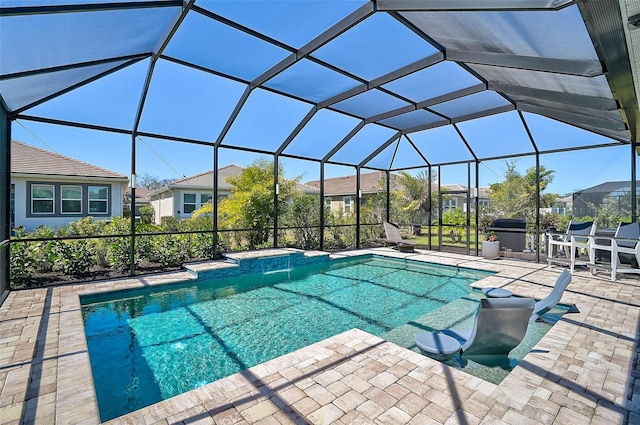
[{"x": 585, "y": 370}]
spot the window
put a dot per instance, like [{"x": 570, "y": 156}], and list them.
[
  {"x": 483, "y": 202},
  {"x": 346, "y": 204},
  {"x": 71, "y": 197},
  {"x": 188, "y": 203},
  {"x": 327, "y": 202},
  {"x": 450, "y": 204},
  {"x": 42, "y": 198},
  {"x": 98, "y": 199},
  {"x": 204, "y": 198}
]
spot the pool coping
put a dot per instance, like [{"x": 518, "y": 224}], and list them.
[{"x": 47, "y": 374}]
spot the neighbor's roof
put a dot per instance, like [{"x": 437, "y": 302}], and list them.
[
  {"x": 608, "y": 187},
  {"x": 27, "y": 159},
  {"x": 346, "y": 185},
  {"x": 205, "y": 181},
  {"x": 386, "y": 84}
]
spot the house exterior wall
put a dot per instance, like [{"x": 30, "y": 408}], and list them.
[
  {"x": 163, "y": 207},
  {"x": 25, "y": 218},
  {"x": 171, "y": 202}
]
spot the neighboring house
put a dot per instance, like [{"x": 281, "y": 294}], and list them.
[
  {"x": 561, "y": 206},
  {"x": 586, "y": 202},
  {"x": 340, "y": 192},
  {"x": 142, "y": 199},
  {"x": 454, "y": 196},
  {"x": 180, "y": 198},
  {"x": 49, "y": 189}
]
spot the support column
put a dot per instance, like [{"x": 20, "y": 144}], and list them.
[
  {"x": 388, "y": 196},
  {"x": 5, "y": 194},
  {"x": 215, "y": 201},
  {"x": 132, "y": 252},
  {"x": 357, "y": 207},
  {"x": 634, "y": 186},
  {"x": 322, "y": 217},
  {"x": 477, "y": 201},
  {"x": 276, "y": 190}
]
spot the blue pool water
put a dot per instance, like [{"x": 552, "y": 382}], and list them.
[{"x": 152, "y": 344}]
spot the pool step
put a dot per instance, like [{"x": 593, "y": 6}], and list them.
[
  {"x": 259, "y": 261},
  {"x": 456, "y": 314}
]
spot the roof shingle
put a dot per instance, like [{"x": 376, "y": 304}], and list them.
[{"x": 27, "y": 159}]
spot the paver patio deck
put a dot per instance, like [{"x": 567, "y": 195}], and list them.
[{"x": 585, "y": 370}]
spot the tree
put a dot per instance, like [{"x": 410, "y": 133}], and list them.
[
  {"x": 515, "y": 197},
  {"x": 150, "y": 182},
  {"x": 414, "y": 196},
  {"x": 250, "y": 204},
  {"x": 303, "y": 216}
]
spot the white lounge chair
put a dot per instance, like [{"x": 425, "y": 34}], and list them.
[
  {"x": 551, "y": 300},
  {"x": 394, "y": 238},
  {"x": 569, "y": 243},
  {"x": 500, "y": 325},
  {"x": 625, "y": 241}
]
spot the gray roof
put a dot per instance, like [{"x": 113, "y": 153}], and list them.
[
  {"x": 206, "y": 179},
  {"x": 27, "y": 159},
  {"x": 608, "y": 187}
]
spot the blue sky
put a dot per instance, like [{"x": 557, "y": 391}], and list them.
[
  {"x": 573, "y": 170},
  {"x": 186, "y": 102},
  {"x": 267, "y": 120}
]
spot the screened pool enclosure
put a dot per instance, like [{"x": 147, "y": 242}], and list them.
[{"x": 350, "y": 86}]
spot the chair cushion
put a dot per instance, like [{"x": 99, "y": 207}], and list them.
[
  {"x": 496, "y": 292},
  {"x": 437, "y": 345}
]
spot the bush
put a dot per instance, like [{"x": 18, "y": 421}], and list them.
[
  {"x": 119, "y": 254},
  {"x": 22, "y": 262},
  {"x": 168, "y": 250},
  {"x": 146, "y": 214},
  {"x": 74, "y": 257}
]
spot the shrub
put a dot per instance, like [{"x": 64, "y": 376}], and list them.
[
  {"x": 74, "y": 257},
  {"x": 119, "y": 254},
  {"x": 22, "y": 261},
  {"x": 168, "y": 250},
  {"x": 146, "y": 214}
]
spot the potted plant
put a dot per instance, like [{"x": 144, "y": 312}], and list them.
[{"x": 491, "y": 246}]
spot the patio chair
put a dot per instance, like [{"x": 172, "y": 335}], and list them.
[
  {"x": 394, "y": 239},
  {"x": 575, "y": 239},
  {"x": 500, "y": 325},
  {"x": 626, "y": 241},
  {"x": 551, "y": 300}
]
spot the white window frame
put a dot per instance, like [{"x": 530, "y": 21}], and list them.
[
  {"x": 201, "y": 202},
  {"x": 52, "y": 199},
  {"x": 62, "y": 199},
  {"x": 450, "y": 204},
  {"x": 102, "y": 200},
  {"x": 346, "y": 204},
  {"x": 327, "y": 202},
  {"x": 194, "y": 203}
]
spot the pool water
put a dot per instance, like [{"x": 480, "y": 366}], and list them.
[{"x": 151, "y": 344}]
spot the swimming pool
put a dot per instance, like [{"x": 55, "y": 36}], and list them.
[{"x": 151, "y": 344}]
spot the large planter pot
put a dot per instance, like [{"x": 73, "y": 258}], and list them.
[{"x": 491, "y": 250}]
